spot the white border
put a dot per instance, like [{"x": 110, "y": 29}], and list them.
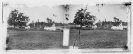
[{"x": 3, "y": 29}]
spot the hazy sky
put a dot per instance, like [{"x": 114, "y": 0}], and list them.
[
  {"x": 43, "y": 11},
  {"x": 105, "y": 12}
]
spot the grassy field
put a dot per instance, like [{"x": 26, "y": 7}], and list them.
[
  {"x": 35, "y": 39},
  {"x": 53, "y": 40},
  {"x": 99, "y": 39}
]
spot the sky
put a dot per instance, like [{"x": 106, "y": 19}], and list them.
[
  {"x": 41, "y": 11},
  {"x": 107, "y": 12}
]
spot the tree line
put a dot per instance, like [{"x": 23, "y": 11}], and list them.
[{"x": 82, "y": 18}]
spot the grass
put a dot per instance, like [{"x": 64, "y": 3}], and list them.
[
  {"x": 99, "y": 39},
  {"x": 31, "y": 40},
  {"x": 34, "y": 39}
]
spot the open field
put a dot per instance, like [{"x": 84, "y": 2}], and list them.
[
  {"x": 53, "y": 39},
  {"x": 99, "y": 39},
  {"x": 35, "y": 39}
]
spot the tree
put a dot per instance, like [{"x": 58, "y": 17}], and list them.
[
  {"x": 99, "y": 24},
  {"x": 31, "y": 25},
  {"x": 49, "y": 20},
  {"x": 116, "y": 19},
  {"x": 84, "y": 18},
  {"x": 17, "y": 19}
]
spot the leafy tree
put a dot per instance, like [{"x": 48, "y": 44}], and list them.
[
  {"x": 99, "y": 24},
  {"x": 49, "y": 20},
  {"x": 116, "y": 19},
  {"x": 31, "y": 25},
  {"x": 84, "y": 18},
  {"x": 17, "y": 19}
]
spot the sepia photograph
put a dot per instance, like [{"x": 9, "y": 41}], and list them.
[{"x": 101, "y": 27}]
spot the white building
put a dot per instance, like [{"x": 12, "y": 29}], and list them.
[
  {"x": 120, "y": 27},
  {"x": 52, "y": 28}
]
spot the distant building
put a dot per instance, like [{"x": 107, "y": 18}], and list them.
[
  {"x": 121, "y": 26},
  {"x": 52, "y": 28},
  {"x": 112, "y": 25}
]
